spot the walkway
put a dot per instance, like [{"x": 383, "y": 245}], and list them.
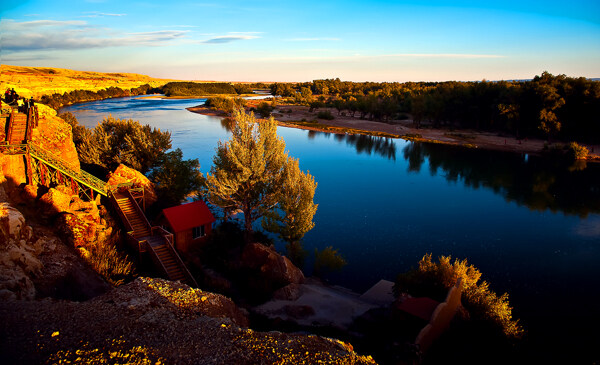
[
  {"x": 155, "y": 240},
  {"x": 45, "y": 168}
]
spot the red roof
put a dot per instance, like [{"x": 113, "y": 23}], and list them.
[{"x": 188, "y": 216}]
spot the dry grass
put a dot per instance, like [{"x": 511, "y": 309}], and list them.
[{"x": 38, "y": 81}]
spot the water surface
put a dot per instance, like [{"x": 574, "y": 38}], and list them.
[{"x": 530, "y": 225}]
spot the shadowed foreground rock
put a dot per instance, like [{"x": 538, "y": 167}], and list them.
[{"x": 151, "y": 321}]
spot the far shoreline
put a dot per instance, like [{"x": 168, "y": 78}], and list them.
[{"x": 404, "y": 130}]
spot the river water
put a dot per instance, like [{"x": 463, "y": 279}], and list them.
[{"x": 531, "y": 226}]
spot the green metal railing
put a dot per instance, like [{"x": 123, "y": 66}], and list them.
[{"x": 82, "y": 177}]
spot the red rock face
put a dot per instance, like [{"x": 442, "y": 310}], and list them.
[
  {"x": 52, "y": 134},
  {"x": 124, "y": 174},
  {"x": 55, "y": 135}
]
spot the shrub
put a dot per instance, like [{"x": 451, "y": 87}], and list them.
[
  {"x": 328, "y": 260},
  {"x": 225, "y": 104},
  {"x": 114, "y": 266},
  {"x": 325, "y": 114},
  {"x": 576, "y": 151},
  {"x": 435, "y": 279},
  {"x": 264, "y": 109}
]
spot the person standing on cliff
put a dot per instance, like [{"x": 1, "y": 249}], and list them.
[{"x": 7, "y": 96}]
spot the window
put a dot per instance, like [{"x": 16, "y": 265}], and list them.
[{"x": 197, "y": 232}]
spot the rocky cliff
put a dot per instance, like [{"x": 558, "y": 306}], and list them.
[
  {"x": 55, "y": 306},
  {"x": 154, "y": 321}
]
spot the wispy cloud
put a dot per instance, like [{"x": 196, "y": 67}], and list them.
[
  {"x": 359, "y": 57},
  {"x": 313, "y": 39},
  {"x": 75, "y": 34},
  {"x": 94, "y": 14},
  {"x": 232, "y": 37}
]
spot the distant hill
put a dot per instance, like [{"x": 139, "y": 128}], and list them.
[{"x": 38, "y": 81}]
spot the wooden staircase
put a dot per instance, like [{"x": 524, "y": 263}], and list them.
[
  {"x": 165, "y": 256},
  {"x": 161, "y": 250},
  {"x": 138, "y": 222},
  {"x": 17, "y": 130}
]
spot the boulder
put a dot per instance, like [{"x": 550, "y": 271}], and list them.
[
  {"x": 18, "y": 259},
  {"x": 78, "y": 230},
  {"x": 266, "y": 270},
  {"x": 289, "y": 292},
  {"x": 124, "y": 174},
  {"x": 30, "y": 193},
  {"x": 12, "y": 223},
  {"x": 55, "y": 202}
]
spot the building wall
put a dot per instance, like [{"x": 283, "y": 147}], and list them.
[{"x": 184, "y": 240}]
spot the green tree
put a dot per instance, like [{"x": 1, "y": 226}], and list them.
[
  {"x": 248, "y": 169},
  {"x": 116, "y": 141},
  {"x": 264, "y": 109},
  {"x": 176, "y": 178},
  {"x": 296, "y": 208}
]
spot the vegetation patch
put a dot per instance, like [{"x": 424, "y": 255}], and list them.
[
  {"x": 434, "y": 279},
  {"x": 197, "y": 88}
]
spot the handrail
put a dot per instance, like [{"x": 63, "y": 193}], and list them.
[
  {"x": 57, "y": 163},
  {"x": 178, "y": 259},
  {"x": 137, "y": 208},
  {"x": 13, "y": 149},
  {"x": 156, "y": 259},
  {"x": 115, "y": 203}
]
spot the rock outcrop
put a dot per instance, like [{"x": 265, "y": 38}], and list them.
[
  {"x": 151, "y": 321},
  {"x": 55, "y": 135},
  {"x": 124, "y": 174},
  {"x": 36, "y": 263},
  {"x": 52, "y": 134},
  {"x": 18, "y": 259},
  {"x": 264, "y": 270}
]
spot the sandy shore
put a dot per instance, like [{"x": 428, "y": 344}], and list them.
[{"x": 295, "y": 116}]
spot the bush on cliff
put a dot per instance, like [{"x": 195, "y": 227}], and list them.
[{"x": 434, "y": 279}]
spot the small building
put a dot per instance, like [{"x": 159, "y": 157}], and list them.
[{"x": 189, "y": 223}]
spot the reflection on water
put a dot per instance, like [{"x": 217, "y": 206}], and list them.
[
  {"x": 385, "y": 147},
  {"x": 383, "y": 213},
  {"x": 538, "y": 183}
]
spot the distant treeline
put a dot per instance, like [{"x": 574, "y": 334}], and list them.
[
  {"x": 548, "y": 106},
  {"x": 208, "y": 88},
  {"x": 197, "y": 89},
  {"x": 57, "y": 101}
]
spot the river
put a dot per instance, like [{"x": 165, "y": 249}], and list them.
[{"x": 530, "y": 225}]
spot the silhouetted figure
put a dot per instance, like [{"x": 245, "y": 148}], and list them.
[
  {"x": 14, "y": 96},
  {"x": 7, "y": 96}
]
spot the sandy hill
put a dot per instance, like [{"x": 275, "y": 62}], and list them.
[{"x": 38, "y": 81}]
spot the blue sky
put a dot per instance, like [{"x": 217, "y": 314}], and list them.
[{"x": 265, "y": 40}]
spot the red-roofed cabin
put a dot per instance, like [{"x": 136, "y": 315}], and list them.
[{"x": 189, "y": 223}]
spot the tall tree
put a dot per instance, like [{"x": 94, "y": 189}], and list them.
[
  {"x": 175, "y": 178},
  {"x": 294, "y": 216},
  {"x": 248, "y": 169}
]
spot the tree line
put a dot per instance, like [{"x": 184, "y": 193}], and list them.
[
  {"x": 57, "y": 101},
  {"x": 547, "y": 106}
]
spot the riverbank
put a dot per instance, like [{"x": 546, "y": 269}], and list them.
[{"x": 295, "y": 116}]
